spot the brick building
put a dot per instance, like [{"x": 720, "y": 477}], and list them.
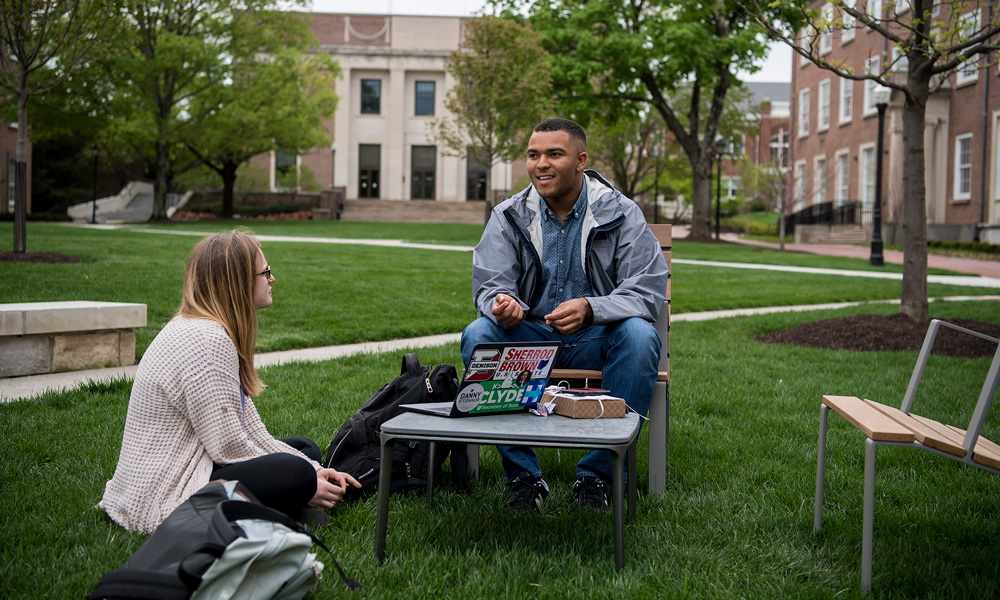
[{"x": 835, "y": 129}]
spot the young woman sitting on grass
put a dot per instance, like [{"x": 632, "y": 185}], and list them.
[{"x": 191, "y": 418}]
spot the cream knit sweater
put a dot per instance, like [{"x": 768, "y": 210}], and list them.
[{"x": 184, "y": 414}]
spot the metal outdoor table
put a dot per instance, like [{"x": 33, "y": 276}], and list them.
[{"x": 516, "y": 429}]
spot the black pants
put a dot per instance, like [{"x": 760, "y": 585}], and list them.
[{"x": 282, "y": 481}]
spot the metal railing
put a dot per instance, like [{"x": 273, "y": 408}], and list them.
[{"x": 850, "y": 212}]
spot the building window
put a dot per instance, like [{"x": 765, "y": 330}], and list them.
[
  {"x": 475, "y": 176},
  {"x": 286, "y": 171},
  {"x": 730, "y": 187},
  {"x": 963, "y": 167},
  {"x": 826, "y": 30},
  {"x": 843, "y": 178},
  {"x": 846, "y": 100},
  {"x": 969, "y": 70},
  {"x": 900, "y": 63},
  {"x": 871, "y": 66},
  {"x": 371, "y": 96},
  {"x": 823, "y": 112},
  {"x": 779, "y": 149},
  {"x": 867, "y": 177},
  {"x": 369, "y": 163},
  {"x": 806, "y": 45},
  {"x": 424, "y": 98},
  {"x": 902, "y": 6},
  {"x": 819, "y": 180},
  {"x": 422, "y": 180},
  {"x": 847, "y": 33},
  {"x": 875, "y": 8},
  {"x": 800, "y": 186},
  {"x": 804, "y": 112}
]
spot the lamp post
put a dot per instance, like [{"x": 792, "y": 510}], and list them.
[
  {"x": 881, "y": 101},
  {"x": 95, "y": 151}
]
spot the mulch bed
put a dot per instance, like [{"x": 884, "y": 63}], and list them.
[
  {"x": 892, "y": 333},
  {"x": 41, "y": 257},
  {"x": 37, "y": 257}
]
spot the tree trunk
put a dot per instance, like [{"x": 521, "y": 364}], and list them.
[
  {"x": 228, "y": 174},
  {"x": 21, "y": 174},
  {"x": 161, "y": 182},
  {"x": 701, "y": 200},
  {"x": 489, "y": 190},
  {"x": 913, "y": 301}
]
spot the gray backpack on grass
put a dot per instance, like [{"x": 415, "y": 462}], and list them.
[{"x": 220, "y": 543}]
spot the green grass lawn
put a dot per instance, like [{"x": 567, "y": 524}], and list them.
[
  {"x": 735, "y": 521},
  {"x": 327, "y": 294}
]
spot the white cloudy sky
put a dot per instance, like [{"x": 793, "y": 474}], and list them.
[{"x": 777, "y": 67}]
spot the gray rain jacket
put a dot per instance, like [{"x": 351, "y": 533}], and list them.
[{"x": 619, "y": 254}]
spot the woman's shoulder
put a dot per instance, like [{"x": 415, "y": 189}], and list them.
[{"x": 194, "y": 336}]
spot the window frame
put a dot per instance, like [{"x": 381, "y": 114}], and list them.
[
  {"x": 845, "y": 105},
  {"x": 417, "y": 98},
  {"x": 819, "y": 179},
  {"x": 871, "y": 84},
  {"x": 849, "y": 22},
  {"x": 962, "y": 170},
  {"x": 823, "y": 106},
  {"x": 371, "y": 104},
  {"x": 963, "y": 74},
  {"x": 866, "y": 176},
  {"x": 803, "y": 112},
  {"x": 843, "y": 159}
]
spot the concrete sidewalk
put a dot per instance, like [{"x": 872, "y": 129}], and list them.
[{"x": 971, "y": 266}]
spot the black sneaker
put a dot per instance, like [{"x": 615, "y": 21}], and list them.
[
  {"x": 526, "y": 493},
  {"x": 589, "y": 492}
]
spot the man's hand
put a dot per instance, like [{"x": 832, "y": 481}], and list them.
[
  {"x": 570, "y": 315},
  {"x": 330, "y": 487},
  {"x": 507, "y": 310}
]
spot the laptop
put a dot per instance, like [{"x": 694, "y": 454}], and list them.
[{"x": 500, "y": 378}]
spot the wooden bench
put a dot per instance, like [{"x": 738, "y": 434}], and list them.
[
  {"x": 50, "y": 337},
  {"x": 888, "y": 426},
  {"x": 659, "y": 408}
]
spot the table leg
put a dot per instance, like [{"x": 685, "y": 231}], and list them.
[
  {"x": 384, "y": 483},
  {"x": 631, "y": 480},
  {"x": 619, "y": 509},
  {"x": 431, "y": 451}
]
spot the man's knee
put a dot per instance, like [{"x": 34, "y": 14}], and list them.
[
  {"x": 482, "y": 330},
  {"x": 638, "y": 338}
]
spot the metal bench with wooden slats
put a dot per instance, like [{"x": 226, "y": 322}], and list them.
[{"x": 888, "y": 426}]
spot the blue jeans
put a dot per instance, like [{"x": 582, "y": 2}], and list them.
[{"x": 627, "y": 353}]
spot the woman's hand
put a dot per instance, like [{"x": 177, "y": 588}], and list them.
[{"x": 330, "y": 487}]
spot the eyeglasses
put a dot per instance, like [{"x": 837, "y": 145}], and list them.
[{"x": 266, "y": 273}]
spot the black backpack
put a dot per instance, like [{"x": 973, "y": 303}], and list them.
[{"x": 355, "y": 449}]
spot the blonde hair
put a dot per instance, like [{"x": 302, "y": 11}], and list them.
[{"x": 219, "y": 285}]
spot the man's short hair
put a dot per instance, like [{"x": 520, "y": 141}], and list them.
[{"x": 571, "y": 127}]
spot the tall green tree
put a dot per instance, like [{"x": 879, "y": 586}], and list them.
[
  {"x": 617, "y": 53},
  {"x": 175, "y": 51},
  {"x": 932, "y": 40},
  {"x": 275, "y": 97},
  {"x": 41, "y": 43},
  {"x": 502, "y": 88}
]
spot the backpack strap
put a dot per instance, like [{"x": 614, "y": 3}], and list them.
[
  {"x": 411, "y": 364},
  {"x": 237, "y": 509}
]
